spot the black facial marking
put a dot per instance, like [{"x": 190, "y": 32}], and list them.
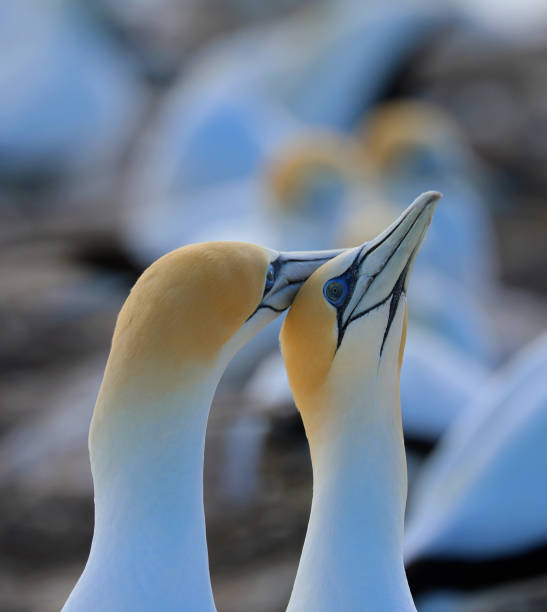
[
  {"x": 388, "y": 235},
  {"x": 350, "y": 276},
  {"x": 270, "y": 307},
  {"x": 394, "y": 295},
  {"x": 296, "y": 260},
  {"x": 277, "y": 264}
]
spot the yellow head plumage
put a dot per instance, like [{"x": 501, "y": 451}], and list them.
[
  {"x": 190, "y": 311},
  {"x": 308, "y": 337},
  {"x": 322, "y": 374},
  {"x": 183, "y": 309}
]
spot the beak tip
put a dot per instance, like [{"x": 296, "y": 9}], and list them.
[{"x": 432, "y": 196}]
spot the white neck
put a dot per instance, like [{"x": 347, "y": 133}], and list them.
[
  {"x": 149, "y": 549},
  {"x": 353, "y": 552}
]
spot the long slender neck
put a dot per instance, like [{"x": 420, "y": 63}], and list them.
[
  {"x": 353, "y": 552},
  {"x": 149, "y": 547}
]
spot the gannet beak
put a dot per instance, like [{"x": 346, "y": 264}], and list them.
[
  {"x": 380, "y": 268},
  {"x": 292, "y": 269}
]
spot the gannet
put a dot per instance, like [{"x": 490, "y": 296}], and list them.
[
  {"x": 343, "y": 344},
  {"x": 478, "y": 514},
  {"x": 183, "y": 321},
  {"x": 408, "y": 143},
  {"x": 439, "y": 376}
]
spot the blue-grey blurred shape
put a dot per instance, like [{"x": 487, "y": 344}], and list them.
[{"x": 69, "y": 97}]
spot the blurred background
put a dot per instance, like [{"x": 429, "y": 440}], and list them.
[{"x": 130, "y": 128}]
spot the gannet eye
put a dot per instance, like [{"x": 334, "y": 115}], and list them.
[
  {"x": 335, "y": 291},
  {"x": 270, "y": 277}
]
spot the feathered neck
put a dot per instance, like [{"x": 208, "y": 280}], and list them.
[
  {"x": 353, "y": 552},
  {"x": 149, "y": 548}
]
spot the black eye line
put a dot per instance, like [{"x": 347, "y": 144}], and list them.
[
  {"x": 296, "y": 260},
  {"x": 390, "y": 233},
  {"x": 395, "y": 293},
  {"x": 373, "y": 276},
  {"x": 351, "y": 276},
  {"x": 270, "y": 307},
  {"x": 276, "y": 264}
]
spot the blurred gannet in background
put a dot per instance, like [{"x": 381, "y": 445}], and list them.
[
  {"x": 183, "y": 321},
  {"x": 406, "y": 146},
  {"x": 408, "y": 143},
  {"x": 343, "y": 345},
  {"x": 70, "y": 97},
  {"x": 244, "y": 99},
  {"x": 478, "y": 513}
]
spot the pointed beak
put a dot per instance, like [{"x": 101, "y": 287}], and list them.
[
  {"x": 292, "y": 269},
  {"x": 382, "y": 266}
]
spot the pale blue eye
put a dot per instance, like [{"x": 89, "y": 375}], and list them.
[
  {"x": 335, "y": 291},
  {"x": 270, "y": 277}
]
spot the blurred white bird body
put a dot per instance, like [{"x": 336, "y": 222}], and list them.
[
  {"x": 70, "y": 97},
  {"x": 343, "y": 344},
  {"x": 480, "y": 497},
  {"x": 455, "y": 313},
  {"x": 437, "y": 383},
  {"x": 199, "y": 161},
  {"x": 182, "y": 323}
]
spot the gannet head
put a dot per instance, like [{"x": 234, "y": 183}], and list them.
[
  {"x": 308, "y": 189},
  {"x": 348, "y": 322},
  {"x": 193, "y": 308},
  {"x": 310, "y": 170},
  {"x": 407, "y": 131}
]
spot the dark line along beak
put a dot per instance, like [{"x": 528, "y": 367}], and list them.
[
  {"x": 381, "y": 267},
  {"x": 292, "y": 269}
]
